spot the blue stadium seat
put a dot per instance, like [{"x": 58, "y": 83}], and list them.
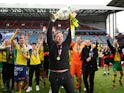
[{"x": 33, "y": 38}]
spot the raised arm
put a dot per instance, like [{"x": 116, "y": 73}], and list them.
[
  {"x": 49, "y": 34},
  {"x": 14, "y": 36},
  {"x": 41, "y": 43},
  {"x": 68, "y": 38},
  {"x": 108, "y": 42}
]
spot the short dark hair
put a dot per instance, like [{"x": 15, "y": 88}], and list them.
[
  {"x": 21, "y": 38},
  {"x": 88, "y": 39},
  {"x": 78, "y": 36},
  {"x": 33, "y": 43}
]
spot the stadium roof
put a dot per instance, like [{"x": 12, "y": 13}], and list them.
[
  {"x": 40, "y": 11},
  {"x": 117, "y": 3}
]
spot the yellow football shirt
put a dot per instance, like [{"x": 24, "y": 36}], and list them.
[
  {"x": 117, "y": 57},
  {"x": 3, "y": 55},
  {"x": 20, "y": 59},
  {"x": 41, "y": 54},
  {"x": 35, "y": 58}
]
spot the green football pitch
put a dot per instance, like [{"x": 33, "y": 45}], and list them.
[{"x": 102, "y": 84}]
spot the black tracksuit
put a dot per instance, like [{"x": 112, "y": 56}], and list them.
[
  {"x": 56, "y": 78},
  {"x": 89, "y": 68}
]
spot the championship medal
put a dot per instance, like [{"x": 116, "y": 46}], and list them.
[{"x": 58, "y": 58}]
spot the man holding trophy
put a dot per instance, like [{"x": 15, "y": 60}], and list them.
[{"x": 59, "y": 57}]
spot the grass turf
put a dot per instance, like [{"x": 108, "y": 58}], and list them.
[{"x": 102, "y": 84}]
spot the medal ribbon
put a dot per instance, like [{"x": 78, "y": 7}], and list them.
[{"x": 59, "y": 50}]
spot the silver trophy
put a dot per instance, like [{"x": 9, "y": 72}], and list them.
[{"x": 62, "y": 14}]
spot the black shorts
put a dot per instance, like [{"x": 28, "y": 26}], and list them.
[{"x": 107, "y": 61}]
